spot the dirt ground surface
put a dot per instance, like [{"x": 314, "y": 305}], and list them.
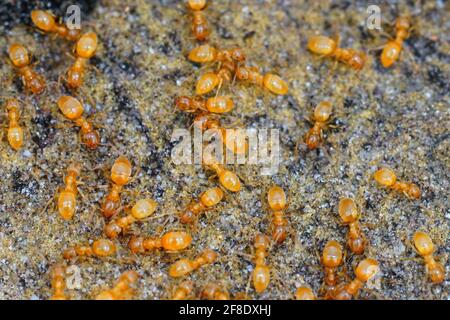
[{"x": 397, "y": 117}]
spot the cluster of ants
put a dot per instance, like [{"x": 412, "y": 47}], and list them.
[
  {"x": 231, "y": 67},
  {"x": 72, "y": 109},
  {"x": 85, "y": 47}
]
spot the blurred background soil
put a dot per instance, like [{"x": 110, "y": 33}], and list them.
[{"x": 397, "y": 117}]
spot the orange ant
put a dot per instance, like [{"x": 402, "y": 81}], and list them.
[
  {"x": 387, "y": 178},
  {"x": 234, "y": 139},
  {"x": 349, "y": 215},
  {"x": 304, "y": 293},
  {"x": 20, "y": 59},
  {"x": 208, "y": 81},
  {"x": 171, "y": 241},
  {"x": 15, "y": 131},
  {"x": 228, "y": 179},
  {"x": 46, "y": 22},
  {"x": 185, "y": 266},
  {"x": 120, "y": 176},
  {"x": 206, "y": 53},
  {"x": 331, "y": 259},
  {"x": 392, "y": 49},
  {"x": 269, "y": 81},
  {"x": 221, "y": 104},
  {"x": 67, "y": 197},
  {"x": 124, "y": 288},
  {"x": 277, "y": 202},
  {"x": 58, "y": 281},
  {"x": 200, "y": 27},
  {"x": 261, "y": 272},
  {"x": 213, "y": 291},
  {"x": 365, "y": 270},
  {"x": 183, "y": 291},
  {"x": 425, "y": 248},
  {"x": 207, "y": 199},
  {"x": 85, "y": 49},
  {"x": 73, "y": 110},
  {"x": 322, "y": 113},
  {"x": 141, "y": 210},
  {"x": 328, "y": 47},
  {"x": 100, "y": 248}
]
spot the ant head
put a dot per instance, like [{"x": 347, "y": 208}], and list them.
[
  {"x": 183, "y": 103},
  {"x": 238, "y": 55},
  {"x": 201, "y": 120},
  {"x": 402, "y": 23},
  {"x": 357, "y": 60},
  {"x": 75, "y": 167},
  {"x": 242, "y": 73},
  {"x": 261, "y": 241},
  {"x": 12, "y": 103}
]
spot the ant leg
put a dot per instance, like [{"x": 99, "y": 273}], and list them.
[
  {"x": 52, "y": 199},
  {"x": 81, "y": 194},
  {"x": 89, "y": 97},
  {"x": 97, "y": 119},
  {"x": 212, "y": 177},
  {"x": 337, "y": 38},
  {"x": 300, "y": 145},
  {"x": 333, "y": 69},
  {"x": 61, "y": 79},
  {"x": 319, "y": 57},
  {"x": 234, "y": 79},
  {"x": 219, "y": 65},
  {"x": 308, "y": 119},
  {"x": 384, "y": 34},
  {"x": 218, "y": 88},
  {"x": 70, "y": 55},
  {"x": 376, "y": 48}
]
